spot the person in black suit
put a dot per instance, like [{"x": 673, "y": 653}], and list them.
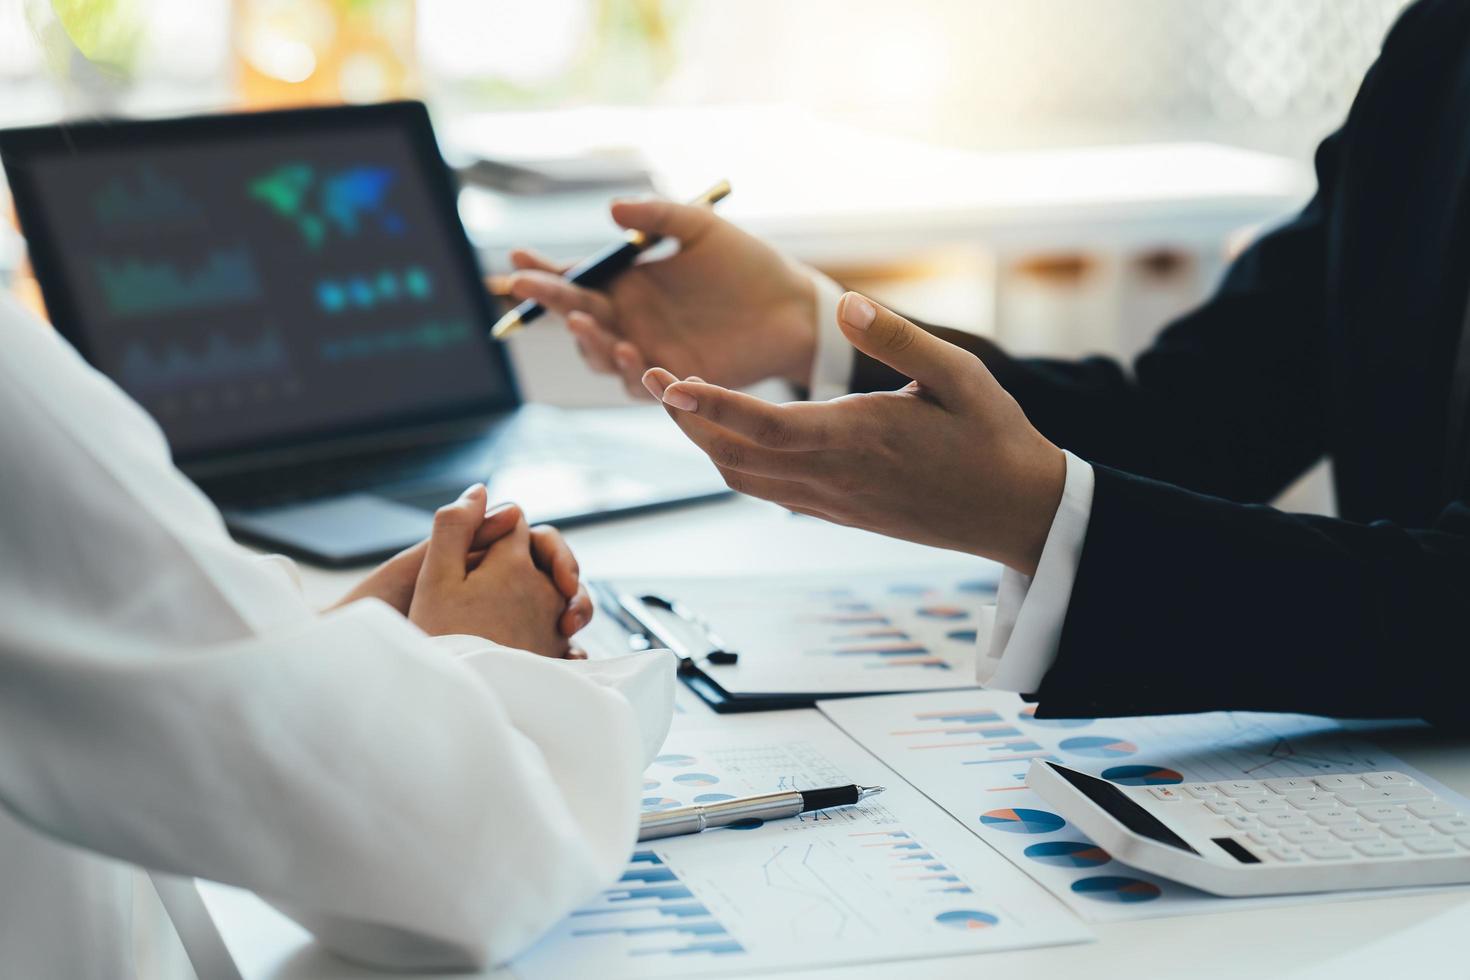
[{"x": 1343, "y": 333}]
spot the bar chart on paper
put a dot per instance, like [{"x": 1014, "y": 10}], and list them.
[
  {"x": 893, "y": 877},
  {"x": 970, "y": 751},
  {"x": 851, "y": 634}
]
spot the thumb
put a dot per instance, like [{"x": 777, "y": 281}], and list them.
[
  {"x": 656, "y": 216},
  {"x": 883, "y": 335},
  {"x": 454, "y": 530}
]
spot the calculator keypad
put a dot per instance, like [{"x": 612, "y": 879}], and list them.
[{"x": 1358, "y": 816}]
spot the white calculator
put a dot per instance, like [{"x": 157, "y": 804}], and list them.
[{"x": 1271, "y": 836}]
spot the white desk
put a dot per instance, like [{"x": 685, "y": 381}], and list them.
[{"x": 248, "y": 939}]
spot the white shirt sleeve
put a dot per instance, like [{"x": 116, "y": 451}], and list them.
[
  {"x": 832, "y": 362},
  {"x": 169, "y": 700},
  {"x": 1030, "y": 611}
]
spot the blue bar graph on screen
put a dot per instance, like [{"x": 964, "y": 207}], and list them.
[
  {"x": 140, "y": 287},
  {"x": 217, "y": 359}
]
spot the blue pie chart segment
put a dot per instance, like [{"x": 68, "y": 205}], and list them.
[
  {"x": 674, "y": 760},
  {"x": 696, "y": 779},
  {"x": 1028, "y": 715},
  {"x": 1022, "y": 821},
  {"x": 1068, "y": 854},
  {"x": 1097, "y": 746},
  {"x": 655, "y": 804},
  {"x": 1142, "y": 776},
  {"x": 713, "y": 797},
  {"x": 1107, "y": 888},
  {"x": 963, "y": 636},
  {"x": 968, "y": 919}
]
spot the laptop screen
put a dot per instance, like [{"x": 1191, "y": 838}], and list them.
[{"x": 262, "y": 279}]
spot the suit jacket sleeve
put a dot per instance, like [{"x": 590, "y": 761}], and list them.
[
  {"x": 1226, "y": 400},
  {"x": 1186, "y": 602}
]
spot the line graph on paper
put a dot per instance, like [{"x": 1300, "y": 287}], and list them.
[{"x": 878, "y": 880}]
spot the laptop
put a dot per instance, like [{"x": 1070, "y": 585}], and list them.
[{"x": 293, "y": 297}]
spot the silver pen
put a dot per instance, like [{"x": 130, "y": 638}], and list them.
[{"x": 770, "y": 806}]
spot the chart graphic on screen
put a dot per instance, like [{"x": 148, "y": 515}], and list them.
[
  {"x": 133, "y": 287},
  {"x": 368, "y": 291},
  {"x": 217, "y": 359},
  {"x": 942, "y": 743},
  {"x": 427, "y": 337},
  {"x": 256, "y": 289},
  {"x": 144, "y": 199},
  {"x": 343, "y": 202},
  {"x": 892, "y": 877}
]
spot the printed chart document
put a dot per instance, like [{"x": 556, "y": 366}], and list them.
[
  {"x": 892, "y": 878},
  {"x": 969, "y": 752},
  {"x": 852, "y": 634}
]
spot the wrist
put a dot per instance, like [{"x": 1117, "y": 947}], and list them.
[
  {"x": 1043, "y": 481},
  {"x": 798, "y": 330}
]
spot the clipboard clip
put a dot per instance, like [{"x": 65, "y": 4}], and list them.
[{"x": 634, "y": 610}]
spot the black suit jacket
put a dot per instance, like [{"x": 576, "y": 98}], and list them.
[{"x": 1335, "y": 335}]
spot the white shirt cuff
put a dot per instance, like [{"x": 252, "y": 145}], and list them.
[
  {"x": 1030, "y": 611},
  {"x": 832, "y": 361}
]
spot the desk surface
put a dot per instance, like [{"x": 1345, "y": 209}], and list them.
[{"x": 741, "y": 535}]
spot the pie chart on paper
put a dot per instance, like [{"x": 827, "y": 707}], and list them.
[
  {"x": 1022, "y": 821},
  {"x": 1142, "y": 776},
  {"x": 1107, "y": 888},
  {"x": 1097, "y": 746},
  {"x": 1068, "y": 854},
  {"x": 967, "y": 919}
]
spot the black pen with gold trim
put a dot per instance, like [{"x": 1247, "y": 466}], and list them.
[{"x": 601, "y": 268}]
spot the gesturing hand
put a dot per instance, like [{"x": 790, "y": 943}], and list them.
[
  {"x": 727, "y": 306},
  {"x": 950, "y": 460}
]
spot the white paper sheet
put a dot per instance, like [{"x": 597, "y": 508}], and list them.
[
  {"x": 969, "y": 752},
  {"x": 892, "y": 878},
  {"x": 838, "y": 635}
]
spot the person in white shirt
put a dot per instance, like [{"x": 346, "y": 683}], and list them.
[{"x": 423, "y": 775}]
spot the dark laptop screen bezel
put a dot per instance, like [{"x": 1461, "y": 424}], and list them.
[{"x": 21, "y": 149}]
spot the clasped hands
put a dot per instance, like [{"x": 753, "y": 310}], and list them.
[{"x": 488, "y": 575}]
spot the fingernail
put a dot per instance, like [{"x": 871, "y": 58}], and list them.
[
  {"x": 857, "y": 312},
  {"x": 471, "y": 490},
  {"x": 680, "y": 399},
  {"x": 654, "y": 386},
  {"x": 624, "y": 359}
]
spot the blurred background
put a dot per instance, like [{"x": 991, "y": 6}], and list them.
[{"x": 1066, "y": 175}]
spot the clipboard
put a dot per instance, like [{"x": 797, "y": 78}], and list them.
[{"x": 651, "y": 613}]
